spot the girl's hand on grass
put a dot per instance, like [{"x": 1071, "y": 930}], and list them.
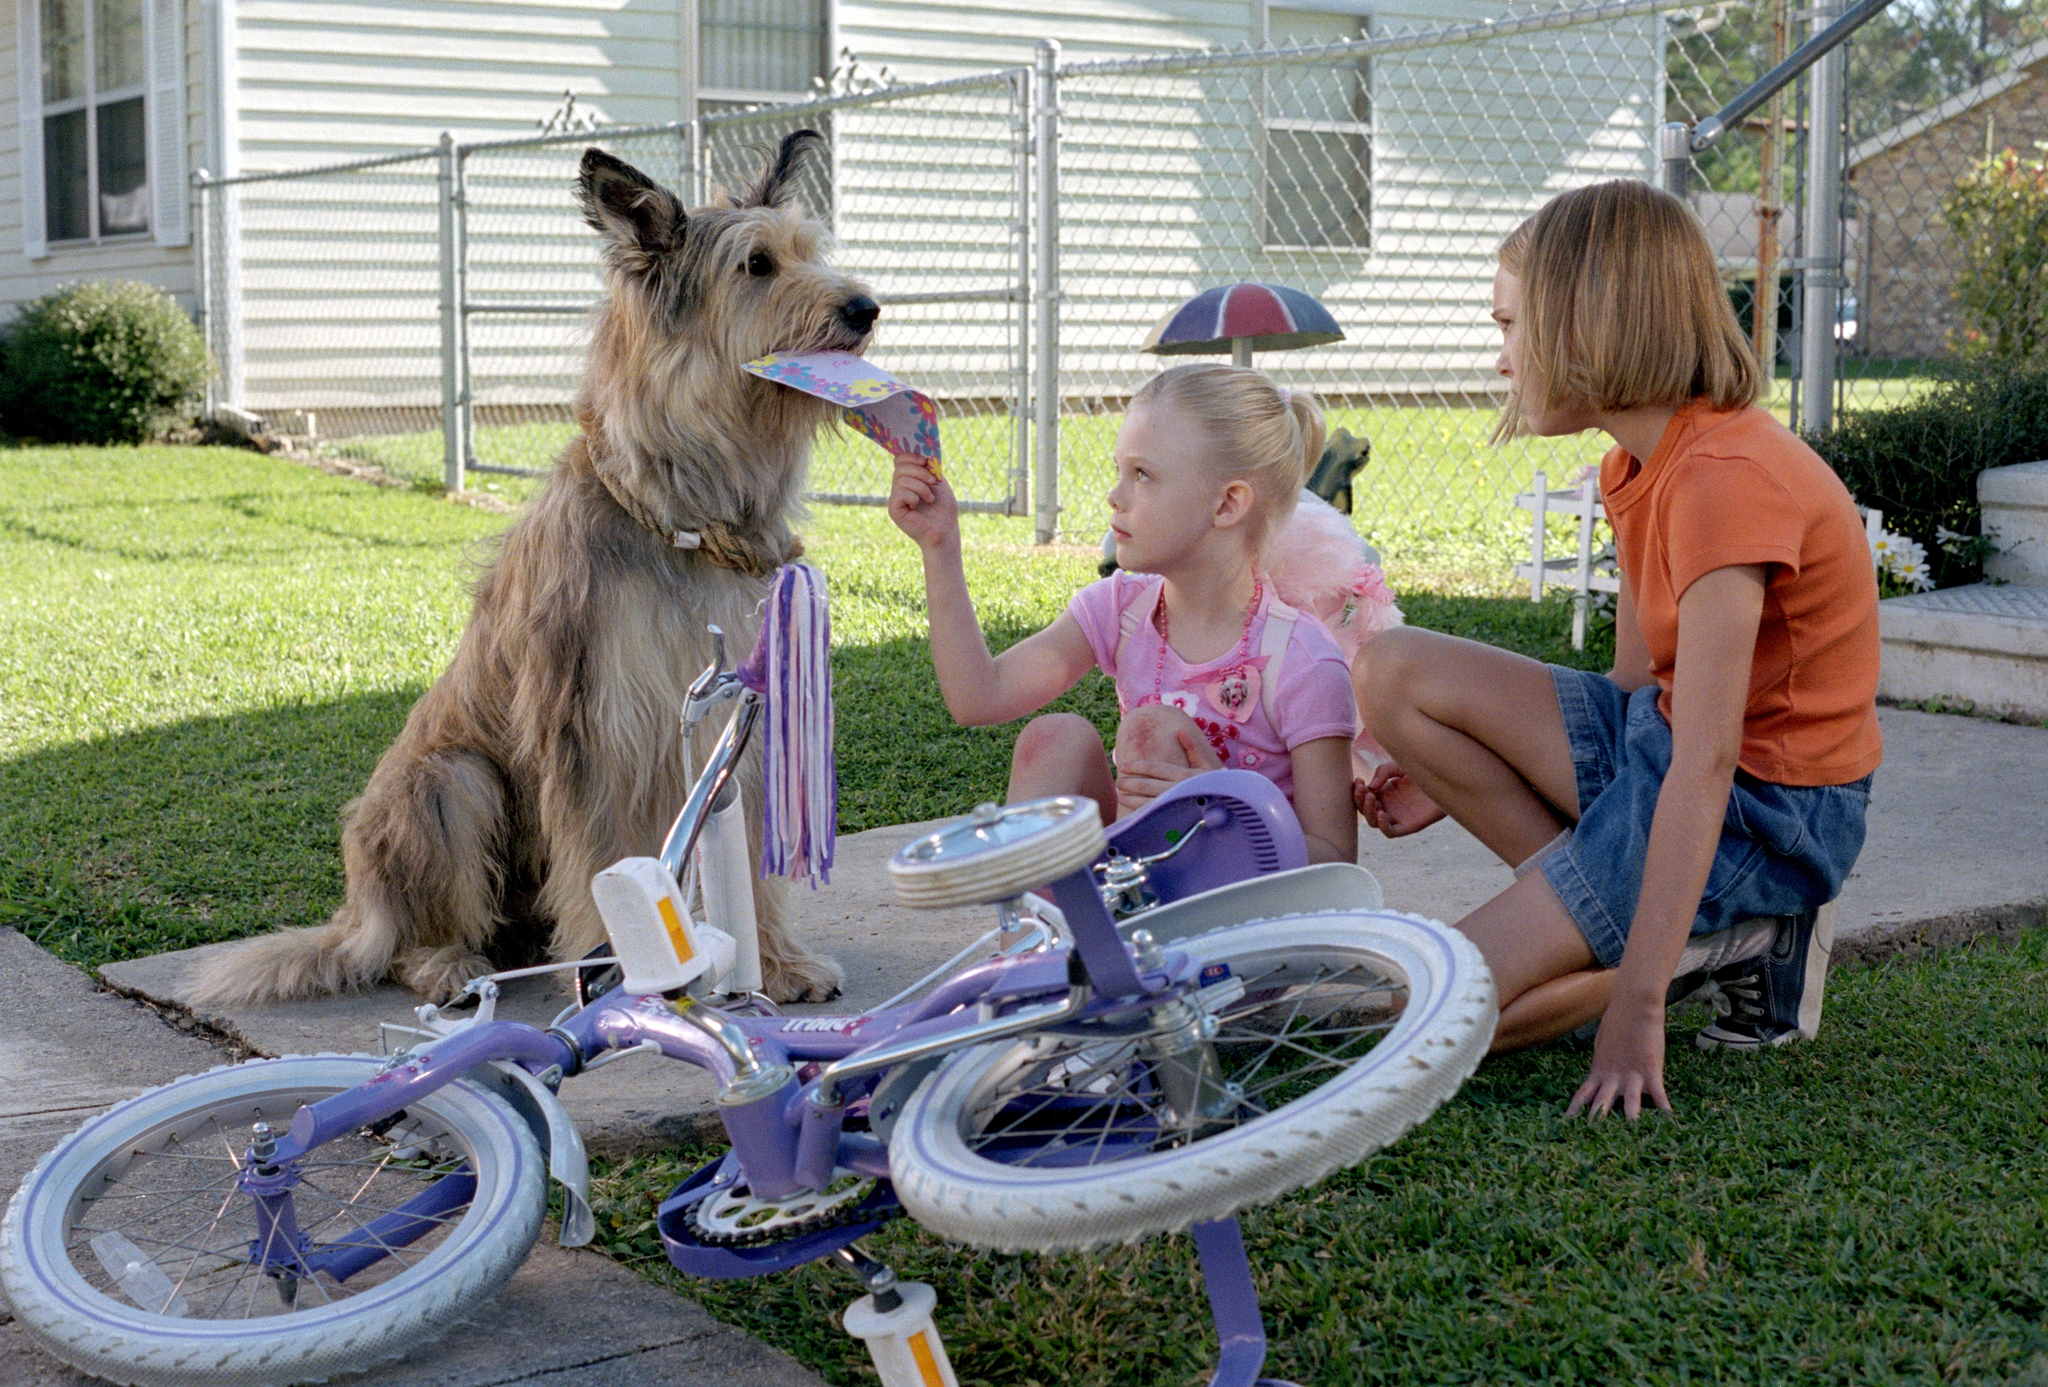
[
  {"x": 922, "y": 504},
  {"x": 1394, "y": 804},
  {"x": 1628, "y": 1061}
]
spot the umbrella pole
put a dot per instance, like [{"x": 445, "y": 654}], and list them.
[{"x": 1241, "y": 352}]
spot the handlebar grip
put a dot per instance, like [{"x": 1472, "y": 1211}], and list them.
[{"x": 753, "y": 671}]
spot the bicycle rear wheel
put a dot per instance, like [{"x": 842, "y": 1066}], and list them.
[
  {"x": 1334, "y": 1033},
  {"x": 126, "y": 1253}
]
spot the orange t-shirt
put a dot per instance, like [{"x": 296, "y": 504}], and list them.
[{"x": 1724, "y": 489}]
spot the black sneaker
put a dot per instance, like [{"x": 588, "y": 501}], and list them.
[{"x": 1775, "y": 999}]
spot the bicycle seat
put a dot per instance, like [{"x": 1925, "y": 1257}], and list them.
[{"x": 1247, "y": 829}]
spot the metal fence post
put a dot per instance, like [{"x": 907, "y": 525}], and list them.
[
  {"x": 1674, "y": 148},
  {"x": 454, "y": 446},
  {"x": 1045, "y": 489},
  {"x": 1019, "y": 499},
  {"x": 1823, "y": 249},
  {"x": 227, "y": 265},
  {"x": 202, "y": 227}
]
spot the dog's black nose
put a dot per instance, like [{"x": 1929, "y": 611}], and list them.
[{"x": 859, "y": 312}]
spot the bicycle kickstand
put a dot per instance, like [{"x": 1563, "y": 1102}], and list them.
[
  {"x": 895, "y": 1321},
  {"x": 1234, "y": 1305}
]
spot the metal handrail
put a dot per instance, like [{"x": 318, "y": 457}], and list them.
[{"x": 1771, "y": 83}]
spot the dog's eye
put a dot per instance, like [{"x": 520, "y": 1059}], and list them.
[{"x": 759, "y": 265}]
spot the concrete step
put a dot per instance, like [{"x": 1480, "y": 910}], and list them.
[
  {"x": 1986, "y": 643},
  {"x": 2015, "y": 504}
]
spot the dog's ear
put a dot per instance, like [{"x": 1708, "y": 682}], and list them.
[
  {"x": 642, "y": 220},
  {"x": 779, "y": 180}
]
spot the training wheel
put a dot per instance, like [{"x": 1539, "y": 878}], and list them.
[{"x": 998, "y": 852}]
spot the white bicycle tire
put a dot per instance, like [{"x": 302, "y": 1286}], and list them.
[
  {"x": 106, "y": 1335},
  {"x": 1420, "y": 1061}
]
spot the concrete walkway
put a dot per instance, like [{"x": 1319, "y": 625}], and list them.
[
  {"x": 1958, "y": 848},
  {"x": 70, "y": 1048}
]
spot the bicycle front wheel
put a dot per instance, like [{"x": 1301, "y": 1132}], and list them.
[
  {"x": 127, "y": 1252},
  {"x": 1332, "y": 1033}
]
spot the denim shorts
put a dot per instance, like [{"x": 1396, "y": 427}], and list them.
[{"x": 1784, "y": 849}]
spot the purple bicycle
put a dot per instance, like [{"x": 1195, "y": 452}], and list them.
[{"x": 1167, "y": 1024}]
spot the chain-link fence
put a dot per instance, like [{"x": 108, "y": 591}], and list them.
[
  {"x": 321, "y": 293},
  {"x": 1023, "y": 231},
  {"x": 924, "y": 194},
  {"x": 1943, "y": 224},
  {"x": 1379, "y": 175}
]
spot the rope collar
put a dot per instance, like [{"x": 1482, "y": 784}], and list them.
[{"x": 718, "y": 542}]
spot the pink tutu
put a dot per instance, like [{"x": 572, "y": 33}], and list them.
[{"x": 1319, "y": 565}]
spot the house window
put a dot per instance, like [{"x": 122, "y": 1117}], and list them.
[
  {"x": 95, "y": 136},
  {"x": 755, "y": 51},
  {"x": 1318, "y": 127}
]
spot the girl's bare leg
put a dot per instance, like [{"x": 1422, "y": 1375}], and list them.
[
  {"x": 1478, "y": 729},
  {"x": 1543, "y": 971},
  {"x": 1551, "y": 1009},
  {"x": 1061, "y": 754}
]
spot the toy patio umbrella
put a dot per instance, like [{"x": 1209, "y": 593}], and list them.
[{"x": 1242, "y": 319}]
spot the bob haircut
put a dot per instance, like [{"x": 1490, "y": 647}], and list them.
[{"x": 1622, "y": 306}]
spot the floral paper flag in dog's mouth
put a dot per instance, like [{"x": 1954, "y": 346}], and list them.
[{"x": 894, "y": 413}]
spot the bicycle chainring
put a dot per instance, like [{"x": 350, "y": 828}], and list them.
[{"x": 736, "y": 1217}]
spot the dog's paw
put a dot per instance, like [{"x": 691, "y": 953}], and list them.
[
  {"x": 438, "y": 975},
  {"x": 810, "y": 978}
]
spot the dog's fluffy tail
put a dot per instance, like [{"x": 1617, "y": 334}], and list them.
[
  {"x": 423, "y": 885},
  {"x": 338, "y": 956}
]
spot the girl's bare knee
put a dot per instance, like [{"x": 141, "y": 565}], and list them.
[{"x": 1055, "y": 736}]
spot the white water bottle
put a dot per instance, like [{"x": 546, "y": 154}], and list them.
[{"x": 902, "y": 1339}]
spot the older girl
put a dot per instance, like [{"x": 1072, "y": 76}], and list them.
[{"x": 1720, "y": 772}]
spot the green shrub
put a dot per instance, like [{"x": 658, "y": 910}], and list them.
[
  {"x": 1918, "y": 463},
  {"x": 102, "y": 362},
  {"x": 1999, "y": 212}
]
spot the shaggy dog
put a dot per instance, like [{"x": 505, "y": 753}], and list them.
[{"x": 551, "y": 746}]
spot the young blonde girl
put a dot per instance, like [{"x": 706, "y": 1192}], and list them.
[
  {"x": 1211, "y": 668},
  {"x": 1720, "y": 772}
]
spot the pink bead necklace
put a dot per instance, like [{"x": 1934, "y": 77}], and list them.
[{"x": 1243, "y": 637}]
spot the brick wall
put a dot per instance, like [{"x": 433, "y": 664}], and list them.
[{"x": 1907, "y": 287}]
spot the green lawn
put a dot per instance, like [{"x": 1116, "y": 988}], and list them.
[
  {"x": 204, "y": 651},
  {"x": 1870, "y": 1208}
]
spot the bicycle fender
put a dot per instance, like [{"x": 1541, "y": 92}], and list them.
[{"x": 557, "y": 1134}]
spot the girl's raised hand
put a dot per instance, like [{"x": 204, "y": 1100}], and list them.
[
  {"x": 922, "y": 504},
  {"x": 1392, "y": 803}
]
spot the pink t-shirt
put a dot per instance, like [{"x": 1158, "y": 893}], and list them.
[{"x": 1225, "y": 696}]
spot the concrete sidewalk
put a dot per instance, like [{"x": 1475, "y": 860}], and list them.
[
  {"x": 568, "y": 1319},
  {"x": 1958, "y": 847}
]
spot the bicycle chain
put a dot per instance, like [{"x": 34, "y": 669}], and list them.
[{"x": 844, "y": 1208}]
